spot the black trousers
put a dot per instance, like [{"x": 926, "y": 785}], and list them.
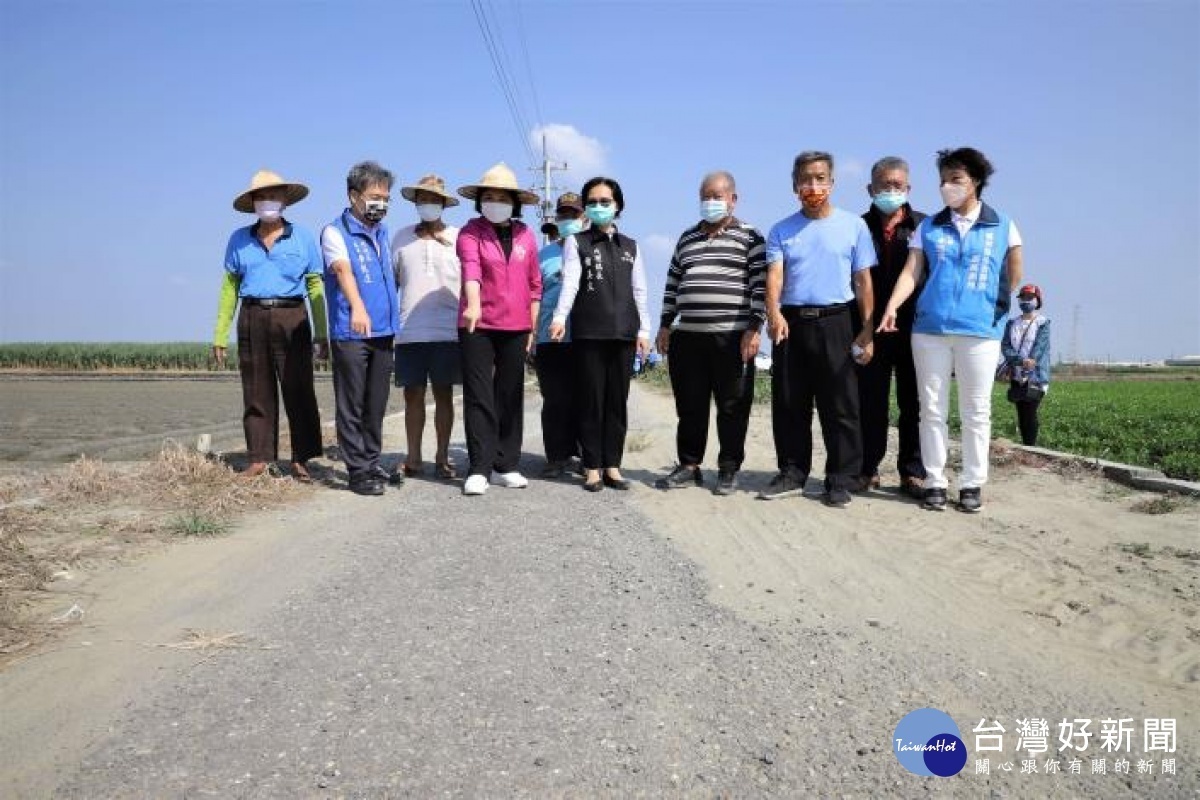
[
  {"x": 1027, "y": 420},
  {"x": 893, "y": 353},
  {"x": 555, "y": 366},
  {"x": 782, "y": 430},
  {"x": 821, "y": 371},
  {"x": 362, "y": 372},
  {"x": 493, "y": 367},
  {"x": 275, "y": 355},
  {"x": 604, "y": 367},
  {"x": 704, "y": 367}
]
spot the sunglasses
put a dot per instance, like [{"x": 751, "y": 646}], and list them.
[{"x": 604, "y": 201}]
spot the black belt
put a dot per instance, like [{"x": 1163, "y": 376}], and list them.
[
  {"x": 273, "y": 302},
  {"x": 815, "y": 312}
]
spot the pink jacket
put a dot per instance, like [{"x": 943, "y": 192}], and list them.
[{"x": 507, "y": 288}]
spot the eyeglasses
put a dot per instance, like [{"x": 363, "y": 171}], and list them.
[{"x": 603, "y": 201}]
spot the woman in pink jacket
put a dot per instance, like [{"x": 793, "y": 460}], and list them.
[{"x": 498, "y": 311}]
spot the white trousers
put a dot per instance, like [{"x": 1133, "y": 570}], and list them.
[{"x": 972, "y": 361}]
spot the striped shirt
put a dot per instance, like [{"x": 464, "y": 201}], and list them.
[{"x": 717, "y": 284}]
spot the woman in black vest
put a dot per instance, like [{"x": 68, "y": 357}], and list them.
[{"x": 604, "y": 293}]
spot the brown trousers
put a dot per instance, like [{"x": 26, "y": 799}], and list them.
[{"x": 275, "y": 348}]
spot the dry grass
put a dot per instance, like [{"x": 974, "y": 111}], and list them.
[
  {"x": 91, "y": 511},
  {"x": 208, "y": 640},
  {"x": 1162, "y": 504},
  {"x": 638, "y": 441},
  {"x": 1005, "y": 457}
]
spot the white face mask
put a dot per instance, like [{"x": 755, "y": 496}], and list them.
[
  {"x": 429, "y": 212},
  {"x": 268, "y": 210},
  {"x": 953, "y": 194},
  {"x": 497, "y": 213}
]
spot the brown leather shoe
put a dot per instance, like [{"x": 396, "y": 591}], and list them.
[
  {"x": 913, "y": 487},
  {"x": 255, "y": 469},
  {"x": 300, "y": 473},
  {"x": 865, "y": 483}
]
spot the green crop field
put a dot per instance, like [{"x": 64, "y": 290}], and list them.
[
  {"x": 1151, "y": 423},
  {"x": 91, "y": 356},
  {"x": 1135, "y": 419},
  {"x": 110, "y": 356}
]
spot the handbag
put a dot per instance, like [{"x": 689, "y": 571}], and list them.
[{"x": 1024, "y": 392}]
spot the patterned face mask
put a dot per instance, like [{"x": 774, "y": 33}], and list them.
[{"x": 814, "y": 196}]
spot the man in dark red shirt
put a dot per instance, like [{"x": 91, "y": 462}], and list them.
[{"x": 891, "y": 220}]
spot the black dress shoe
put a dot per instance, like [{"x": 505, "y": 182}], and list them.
[
  {"x": 680, "y": 477},
  {"x": 836, "y": 498},
  {"x": 620, "y": 484},
  {"x": 381, "y": 474},
  {"x": 368, "y": 485},
  {"x": 593, "y": 487}
]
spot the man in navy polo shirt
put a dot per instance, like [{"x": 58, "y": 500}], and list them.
[
  {"x": 364, "y": 316},
  {"x": 818, "y": 263}
]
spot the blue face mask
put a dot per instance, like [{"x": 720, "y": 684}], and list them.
[
  {"x": 1027, "y": 306},
  {"x": 889, "y": 202},
  {"x": 713, "y": 210},
  {"x": 601, "y": 215},
  {"x": 568, "y": 227}
]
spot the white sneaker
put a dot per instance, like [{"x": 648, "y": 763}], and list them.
[
  {"x": 510, "y": 480},
  {"x": 475, "y": 484}
]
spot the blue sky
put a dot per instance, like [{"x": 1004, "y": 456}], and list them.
[{"x": 126, "y": 129}]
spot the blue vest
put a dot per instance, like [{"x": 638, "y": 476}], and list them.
[
  {"x": 373, "y": 274},
  {"x": 967, "y": 292}
]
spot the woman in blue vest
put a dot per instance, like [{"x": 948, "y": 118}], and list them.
[
  {"x": 604, "y": 294},
  {"x": 971, "y": 255},
  {"x": 1026, "y": 350}
]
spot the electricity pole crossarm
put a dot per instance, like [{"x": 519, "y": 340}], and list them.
[{"x": 547, "y": 188}]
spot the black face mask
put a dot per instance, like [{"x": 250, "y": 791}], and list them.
[{"x": 375, "y": 210}]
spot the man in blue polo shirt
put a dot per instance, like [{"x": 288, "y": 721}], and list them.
[
  {"x": 818, "y": 263},
  {"x": 364, "y": 316},
  {"x": 270, "y": 267}
]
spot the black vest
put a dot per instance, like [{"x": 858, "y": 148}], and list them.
[
  {"x": 889, "y": 264},
  {"x": 604, "y": 307}
]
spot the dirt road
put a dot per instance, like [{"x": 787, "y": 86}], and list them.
[{"x": 549, "y": 642}]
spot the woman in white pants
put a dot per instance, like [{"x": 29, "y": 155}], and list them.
[{"x": 969, "y": 255}]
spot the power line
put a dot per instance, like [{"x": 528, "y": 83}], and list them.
[
  {"x": 507, "y": 88},
  {"x": 537, "y": 105}
]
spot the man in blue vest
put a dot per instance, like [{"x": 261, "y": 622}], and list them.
[{"x": 364, "y": 317}]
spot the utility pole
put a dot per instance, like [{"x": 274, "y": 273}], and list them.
[
  {"x": 547, "y": 188},
  {"x": 1075, "y": 335}
]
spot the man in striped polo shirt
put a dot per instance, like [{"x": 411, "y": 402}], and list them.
[{"x": 715, "y": 299}]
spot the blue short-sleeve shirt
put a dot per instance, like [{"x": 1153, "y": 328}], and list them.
[
  {"x": 278, "y": 272},
  {"x": 550, "y": 260},
  {"x": 819, "y": 256}
]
